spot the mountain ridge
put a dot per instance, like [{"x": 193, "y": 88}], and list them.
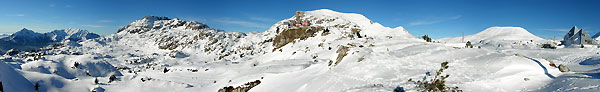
[{"x": 26, "y": 39}]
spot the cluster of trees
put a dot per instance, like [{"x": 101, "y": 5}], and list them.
[{"x": 426, "y": 38}]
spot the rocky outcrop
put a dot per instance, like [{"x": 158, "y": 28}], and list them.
[
  {"x": 576, "y": 37},
  {"x": 289, "y": 35},
  {"x": 342, "y": 52},
  {"x": 563, "y": 68},
  {"x": 242, "y": 88}
]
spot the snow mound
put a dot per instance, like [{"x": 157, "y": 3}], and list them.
[{"x": 497, "y": 34}]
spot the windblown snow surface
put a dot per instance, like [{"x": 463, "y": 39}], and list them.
[{"x": 337, "y": 52}]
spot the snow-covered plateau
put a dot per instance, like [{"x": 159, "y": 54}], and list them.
[{"x": 313, "y": 51}]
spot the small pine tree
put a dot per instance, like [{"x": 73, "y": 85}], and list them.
[
  {"x": 426, "y": 38},
  {"x": 1, "y": 88},
  {"x": 96, "y": 81},
  {"x": 399, "y": 89},
  {"x": 165, "y": 70},
  {"x": 76, "y": 65},
  {"x": 36, "y": 86},
  {"x": 469, "y": 45},
  {"x": 112, "y": 78},
  {"x": 437, "y": 84}
]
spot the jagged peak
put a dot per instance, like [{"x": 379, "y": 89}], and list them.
[
  {"x": 72, "y": 30},
  {"x": 582, "y": 33},
  {"x": 596, "y": 36},
  {"x": 25, "y": 30},
  {"x": 155, "y": 22},
  {"x": 156, "y": 18},
  {"x": 573, "y": 30}
]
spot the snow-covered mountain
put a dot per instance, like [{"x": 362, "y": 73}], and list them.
[
  {"x": 71, "y": 34},
  {"x": 29, "y": 40},
  {"x": 596, "y": 36},
  {"x": 313, "y": 51},
  {"x": 498, "y": 34},
  {"x": 2, "y": 35}
]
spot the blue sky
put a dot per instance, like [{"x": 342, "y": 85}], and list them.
[{"x": 439, "y": 19}]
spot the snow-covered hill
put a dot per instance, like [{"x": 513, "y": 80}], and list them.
[
  {"x": 29, "y": 40},
  {"x": 497, "y": 34},
  {"x": 313, "y": 51}
]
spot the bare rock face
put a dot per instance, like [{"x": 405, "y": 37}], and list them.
[
  {"x": 12, "y": 52},
  {"x": 177, "y": 54},
  {"x": 342, "y": 52},
  {"x": 563, "y": 68},
  {"x": 242, "y": 88}
]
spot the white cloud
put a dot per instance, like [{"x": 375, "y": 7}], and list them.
[
  {"x": 105, "y": 21},
  {"x": 557, "y": 29},
  {"x": 194, "y": 18},
  {"x": 17, "y": 15},
  {"x": 96, "y": 26},
  {"x": 241, "y": 23},
  {"x": 68, "y": 6},
  {"x": 416, "y": 23},
  {"x": 52, "y": 5},
  {"x": 262, "y": 19}
]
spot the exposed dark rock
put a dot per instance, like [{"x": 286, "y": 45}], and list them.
[
  {"x": 342, "y": 52},
  {"x": 242, "y": 88},
  {"x": 563, "y": 68},
  {"x": 290, "y": 35}
]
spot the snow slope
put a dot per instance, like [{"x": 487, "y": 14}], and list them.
[
  {"x": 497, "y": 33},
  {"x": 13, "y": 81},
  {"x": 336, "y": 52}
]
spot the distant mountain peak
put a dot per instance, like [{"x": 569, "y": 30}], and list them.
[
  {"x": 26, "y": 39},
  {"x": 149, "y": 23},
  {"x": 156, "y": 18},
  {"x": 74, "y": 30},
  {"x": 25, "y": 30},
  {"x": 498, "y": 34},
  {"x": 73, "y": 34}
]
